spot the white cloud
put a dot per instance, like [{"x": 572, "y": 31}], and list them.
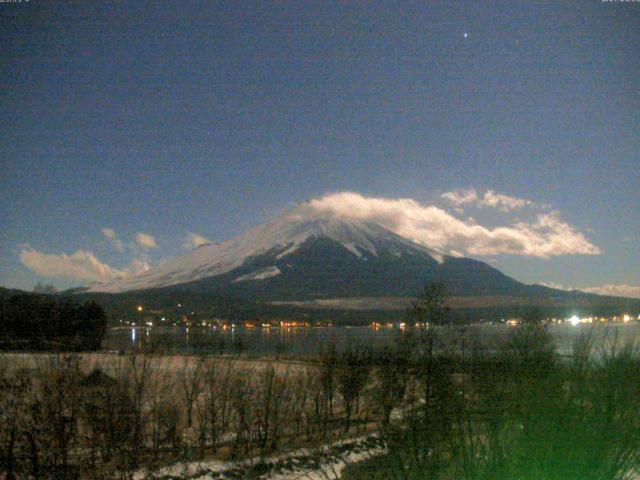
[
  {"x": 194, "y": 240},
  {"x": 111, "y": 235},
  {"x": 81, "y": 265},
  {"x": 617, "y": 290},
  {"x": 504, "y": 203},
  {"x": 461, "y": 196},
  {"x": 146, "y": 241},
  {"x": 545, "y": 237}
]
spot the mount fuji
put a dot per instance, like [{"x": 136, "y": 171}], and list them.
[
  {"x": 324, "y": 265},
  {"x": 304, "y": 255}
]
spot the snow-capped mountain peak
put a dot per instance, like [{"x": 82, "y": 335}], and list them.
[{"x": 283, "y": 236}]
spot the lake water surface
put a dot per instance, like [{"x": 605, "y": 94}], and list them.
[{"x": 312, "y": 340}]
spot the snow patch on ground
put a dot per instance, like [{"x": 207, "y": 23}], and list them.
[{"x": 324, "y": 463}]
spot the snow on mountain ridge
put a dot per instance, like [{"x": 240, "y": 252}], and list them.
[
  {"x": 283, "y": 236},
  {"x": 259, "y": 274}
]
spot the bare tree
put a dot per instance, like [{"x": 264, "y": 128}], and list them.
[
  {"x": 191, "y": 385},
  {"x": 242, "y": 401},
  {"x": 328, "y": 364},
  {"x": 301, "y": 391},
  {"x": 14, "y": 391},
  {"x": 219, "y": 377},
  {"x": 135, "y": 376},
  {"x": 60, "y": 411},
  {"x": 271, "y": 406},
  {"x": 392, "y": 376},
  {"x": 352, "y": 373},
  {"x": 429, "y": 310}
]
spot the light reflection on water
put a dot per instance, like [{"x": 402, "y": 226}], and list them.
[{"x": 301, "y": 341}]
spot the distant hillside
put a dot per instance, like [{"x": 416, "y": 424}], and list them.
[
  {"x": 9, "y": 292},
  {"x": 175, "y": 303}
]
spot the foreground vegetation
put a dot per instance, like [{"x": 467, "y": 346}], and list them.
[
  {"x": 518, "y": 412},
  {"x": 62, "y": 418},
  {"x": 513, "y": 411}
]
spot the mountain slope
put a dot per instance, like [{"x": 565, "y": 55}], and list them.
[
  {"x": 265, "y": 246},
  {"x": 302, "y": 255},
  {"x": 323, "y": 268}
]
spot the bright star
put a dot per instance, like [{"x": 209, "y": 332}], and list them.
[{"x": 466, "y": 34}]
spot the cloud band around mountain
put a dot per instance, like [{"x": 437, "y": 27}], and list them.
[
  {"x": 547, "y": 236},
  {"x": 504, "y": 203}
]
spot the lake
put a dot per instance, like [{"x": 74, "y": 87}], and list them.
[{"x": 312, "y": 340}]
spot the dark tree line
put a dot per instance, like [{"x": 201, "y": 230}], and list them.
[{"x": 40, "y": 322}]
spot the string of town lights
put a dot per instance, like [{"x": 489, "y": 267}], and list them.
[{"x": 184, "y": 320}]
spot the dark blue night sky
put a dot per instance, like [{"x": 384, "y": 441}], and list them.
[{"x": 169, "y": 118}]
